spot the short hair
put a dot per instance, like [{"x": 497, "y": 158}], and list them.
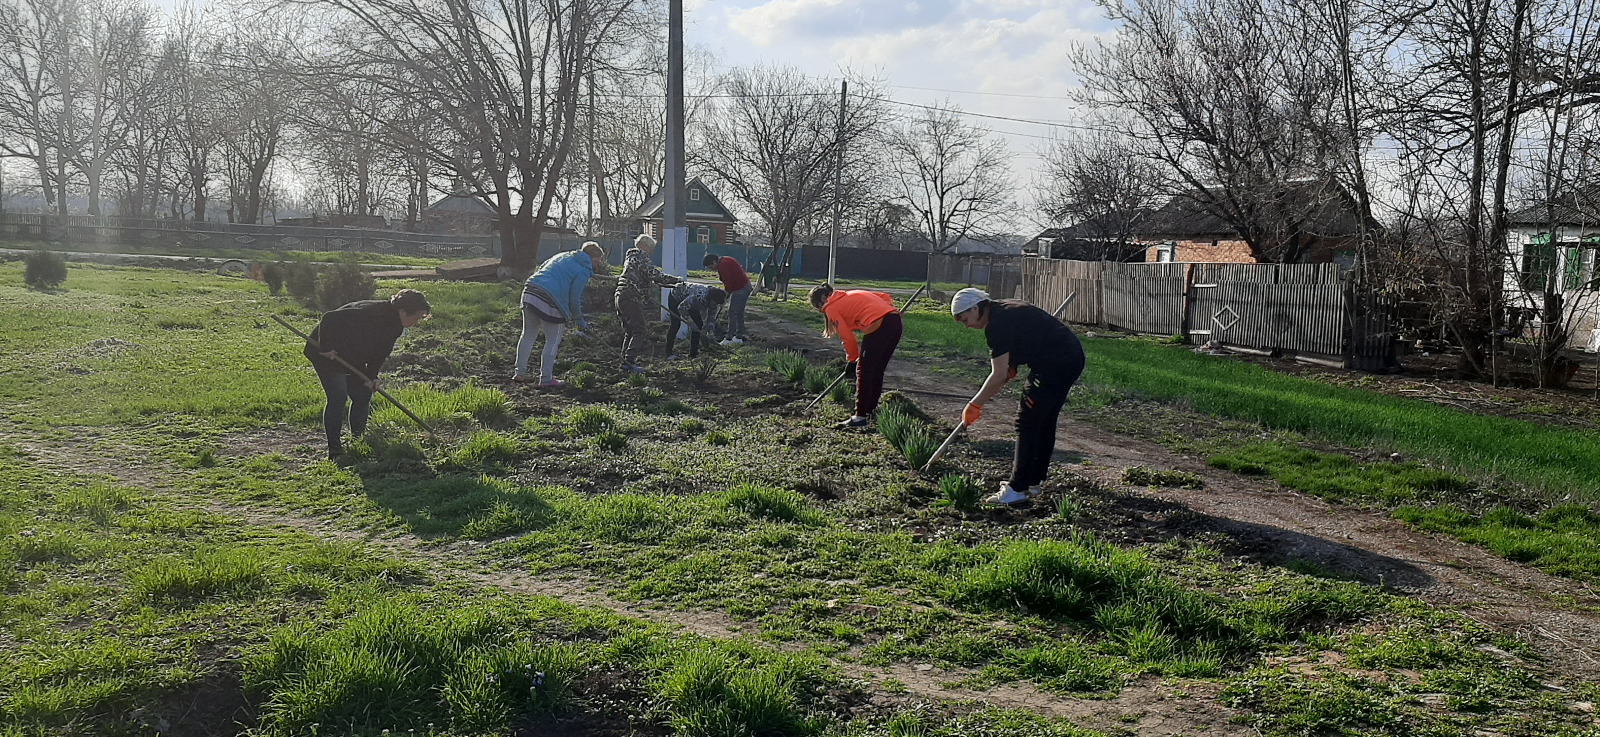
[
  {"x": 644, "y": 241},
  {"x": 594, "y": 250},
  {"x": 716, "y": 295},
  {"x": 710, "y": 259},
  {"x": 411, "y": 301}
]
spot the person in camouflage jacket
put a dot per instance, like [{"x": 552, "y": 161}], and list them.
[
  {"x": 697, "y": 305},
  {"x": 634, "y": 296}
]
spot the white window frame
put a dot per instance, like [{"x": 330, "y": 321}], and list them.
[{"x": 694, "y": 194}]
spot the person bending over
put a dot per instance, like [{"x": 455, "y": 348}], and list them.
[
  {"x": 697, "y": 305},
  {"x": 737, "y": 284},
  {"x": 552, "y": 299},
  {"x": 634, "y": 298},
  {"x": 844, "y": 313},
  {"x": 1021, "y": 334},
  {"x": 363, "y": 334}
]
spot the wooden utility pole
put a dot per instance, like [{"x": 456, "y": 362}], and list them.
[{"x": 838, "y": 182}]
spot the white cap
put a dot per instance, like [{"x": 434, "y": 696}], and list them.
[{"x": 967, "y": 299}]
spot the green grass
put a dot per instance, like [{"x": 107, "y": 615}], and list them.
[
  {"x": 1564, "y": 540},
  {"x": 1141, "y": 476}
]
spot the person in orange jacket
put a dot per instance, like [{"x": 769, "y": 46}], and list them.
[
  {"x": 873, "y": 314},
  {"x": 1020, "y": 334}
]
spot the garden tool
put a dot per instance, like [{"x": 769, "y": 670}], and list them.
[
  {"x": 942, "y": 446},
  {"x": 358, "y": 375}
]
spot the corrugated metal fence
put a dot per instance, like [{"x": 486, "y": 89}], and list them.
[
  {"x": 1300, "y": 308},
  {"x": 998, "y": 274}
]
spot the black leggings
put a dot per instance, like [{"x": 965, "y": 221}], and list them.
[
  {"x": 877, "y": 347},
  {"x": 341, "y": 388},
  {"x": 1036, "y": 421}
]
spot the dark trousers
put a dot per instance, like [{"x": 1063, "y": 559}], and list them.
[
  {"x": 676, "y": 319},
  {"x": 736, "y": 305},
  {"x": 877, "y": 347},
  {"x": 634, "y": 325},
  {"x": 342, "y": 388},
  {"x": 1040, "y": 409}
]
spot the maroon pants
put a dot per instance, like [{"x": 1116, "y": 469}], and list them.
[{"x": 876, "y": 350}]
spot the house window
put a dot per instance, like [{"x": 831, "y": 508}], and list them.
[
  {"x": 703, "y": 235},
  {"x": 1538, "y": 263},
  {"x": 694, "y": 194},
  {"x": 1164, "y": 252},
  {"x": 1573, "y": 267}
]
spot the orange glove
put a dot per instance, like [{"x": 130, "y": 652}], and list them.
[
  {"x": 970, "y": 415},
  {"x": 1011, "y": 373}
]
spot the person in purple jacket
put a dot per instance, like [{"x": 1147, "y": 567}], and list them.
[{"x": 552, "y": 299}]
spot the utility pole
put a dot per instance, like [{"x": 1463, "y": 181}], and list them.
[
  {"x": 674, "y": 256},
  {"x": 838, "y": 182},
  {"x": 589, "y": 165}
]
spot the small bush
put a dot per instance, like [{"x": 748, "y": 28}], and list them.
[
  {"x": 637, "y": 380},
  {"x": 44, "y": 270},
  {"x": 843, "y": 392},
  {"x": 343, "y": 284},
  {"x": 581, "y": 380},
  {"x": 611, "y": 440},
  {"x": 1141, "y": 476},
  {"x": 692, "y": 426},
  {"x": 959, "y": 491},
  {"x": 908, "y": 435},
  {"x": 589, "y": 421},
  {"x": 705, "y": 369},
  {"x": 300, "y": 278},
  {"x": 273, "y": 274},
  {"x": 718, "y": 437}
]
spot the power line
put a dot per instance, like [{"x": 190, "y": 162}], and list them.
[{"x": 975, "y": 92}]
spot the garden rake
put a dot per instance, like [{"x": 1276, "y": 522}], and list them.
[
  {"x": 357, "y": 372},
  {"x": 846, "y": 373}
]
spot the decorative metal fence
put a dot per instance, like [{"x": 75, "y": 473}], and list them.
[{"x": 181, "y": 234}]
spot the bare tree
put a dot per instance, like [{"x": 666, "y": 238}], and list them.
[
  {"x": 952, "y": 175},
  {"x": 774, "y": 143},
  {"x": 1101, "y": 182},
  {"x": 504, "y": 81}
]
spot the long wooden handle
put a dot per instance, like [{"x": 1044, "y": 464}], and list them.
[
  {"x": 829, "y": 389},
  {"x": 914, "y": 296},
  {"x": 359, "y": 375},
  {"x": 942, "y": 446}
]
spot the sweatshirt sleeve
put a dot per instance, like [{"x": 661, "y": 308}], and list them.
[
  {"x": 575, "y": 301},
  {"x": 337, "y": 333}
]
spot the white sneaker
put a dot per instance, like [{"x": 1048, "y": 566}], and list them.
[
  {"x": 738, "y": 341},
  {"x": 726, "y": 342},
  {"x": 1006, "y": 495}
]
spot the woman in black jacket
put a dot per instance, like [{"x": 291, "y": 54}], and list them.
[{"x": 363, "y": 334}]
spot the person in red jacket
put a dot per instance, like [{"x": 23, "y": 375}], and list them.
[
  {"x": 873, "y": 314},
  {"x": 737, "y": 284}
]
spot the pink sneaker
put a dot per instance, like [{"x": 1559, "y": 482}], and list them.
[{"x": 553, "y": 384}]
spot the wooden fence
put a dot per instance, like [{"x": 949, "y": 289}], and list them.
[
  {"x": 181, "y": 234},
  {"x": 1304, "y": 309}
]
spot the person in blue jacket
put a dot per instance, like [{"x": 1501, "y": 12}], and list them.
[{"x": 552, "y": 298}]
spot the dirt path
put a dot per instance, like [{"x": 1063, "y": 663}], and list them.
[{"x": 1559, "y": 617}]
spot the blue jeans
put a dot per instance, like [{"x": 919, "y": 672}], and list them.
[
  {"x": 342, "y": 388},
  {"x": 736, "y": 301}
]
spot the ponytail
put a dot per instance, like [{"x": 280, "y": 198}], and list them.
[{"x": 819, "y": 299}]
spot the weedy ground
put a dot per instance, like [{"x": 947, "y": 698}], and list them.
[{"x": 177, "y": 557}]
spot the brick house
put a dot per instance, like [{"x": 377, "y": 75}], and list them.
[
  {"x": 709, "y": 222},
  {"x": 1184, "y": 230},
  {"x": 459, "y": 213}
]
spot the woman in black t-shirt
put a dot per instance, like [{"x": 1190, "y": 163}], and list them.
[{"x": 1020, "y": 334}]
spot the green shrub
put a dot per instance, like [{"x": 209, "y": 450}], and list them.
[
  {"x": 611, "y": 440},
  {"x": 705, "y": 369},
  {"x": 637, "y": 380},
  {"x": 692, "y": 426},
  {"x": 959, "y": 491},
  {"x": 581, "y": 380},
  {"x": 273, "y": 274},
  {"x": 344, "y": 283},
  {"x": 818, "y": 378},
  {"x": 907, "y": 434},
  {"x": 300, "y": 278},
  {"x": 589, "y": 420},
  {"x": 44, "y": 269},
  {"x": 718, "y": 437}
]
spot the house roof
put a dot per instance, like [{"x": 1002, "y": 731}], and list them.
[
  {"x": 1580, "y": 207},
  {"x": 708, "y": 207},
  {"x": 460, "y": 201},
  {"x": 1330, "y": 213}
]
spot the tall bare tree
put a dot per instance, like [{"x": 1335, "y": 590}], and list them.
[
  {"x": 774, "y": 141},
  {"x": 953, "y": 175},
  {"x": 1102, "y": 182}
]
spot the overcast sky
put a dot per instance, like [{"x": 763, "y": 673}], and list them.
[{"x": 1013, "y": 52}]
